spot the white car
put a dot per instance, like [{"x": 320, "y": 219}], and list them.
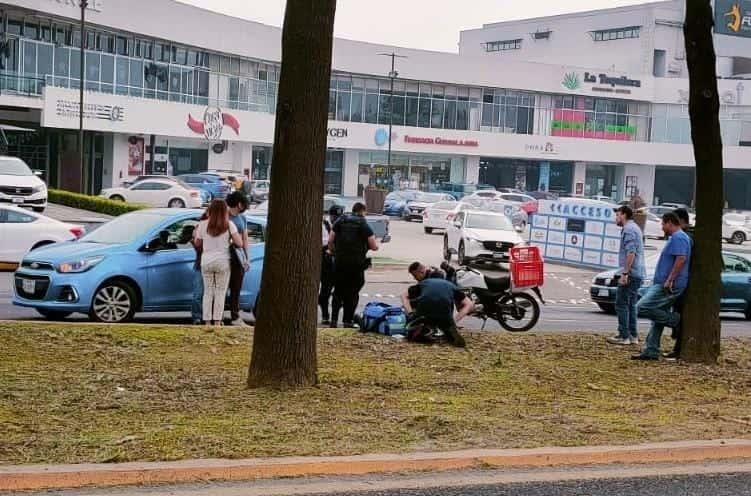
[
  {"x": 661, "y": 210},
  {"x": 20, "y": 186},
  {"x": 439, "y": 215},
  {"x": 653, "y": 227},
  {"x": 415, "y": 207},
  {"x": 157, "y": 193},
  {"x": 485, "y": 194},
  {"x": 512, "y": 210},
  {"x": 22, "y": 231},
  {"x": 480, "y": 236},
  {"x": 735, "y": 228}
]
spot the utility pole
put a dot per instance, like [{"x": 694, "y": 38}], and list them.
[
  {"x": 392, "y": 75},
  {"x": 84, "y": 174}
]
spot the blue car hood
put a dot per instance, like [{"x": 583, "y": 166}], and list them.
[{"x": 69, "y": 251}]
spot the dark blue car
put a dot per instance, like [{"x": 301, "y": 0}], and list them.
[{"x": 213, "y": 185}]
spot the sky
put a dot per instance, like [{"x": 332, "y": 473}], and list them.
[{"x": 425, "y": 24}]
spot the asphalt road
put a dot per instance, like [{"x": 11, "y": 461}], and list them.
[
  {"x": 568, "y": 309},
  {"x": 720, "y": 479}
]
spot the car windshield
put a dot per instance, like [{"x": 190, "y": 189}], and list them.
[
  {"x": 428, "y": 197},
  {"x": 495, "y": 222},
  {"x": 124, "y": 229},
  {"x": 13, "y": 167}
]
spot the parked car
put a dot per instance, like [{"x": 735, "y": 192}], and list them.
[
  {"x": 604, "y": 198},
  {"x": 735, "y": 229},
  {"x": 736, "y": 284},
  {"x": 22, "y": 231},
  {"x": 259, "y": 190},
  {"x": 513, "y": 211},
  {"x": 511, "y": 190},
  {"x": 414, "y": 208},
  {"x": 378, "y": 223},
  {"x": 132, "y": 181},
  {"x": 661, "y": 210},
  {"x": 480, "y": 236},
  {"x": 543, "y": 195},
  {"x": 158, "y": 193},
  {"x": 459, "y": 190},
  {"x": 439, "y": 215},
  {"x": 525, "y": 202},
  {"x": 137, "y": 262},
  {"x": 397, "y": 200},
  {"x": 485, "y": 194},
  {"x": 21, "y": 186},
  {"x": 214, "y": 186},
  {"x": 653, "y": 227}
]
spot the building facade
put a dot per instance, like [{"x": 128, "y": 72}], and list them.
[{"x": 200, "y": 94}]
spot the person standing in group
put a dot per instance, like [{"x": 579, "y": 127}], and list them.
[
  {"x": 213, "y": 238},
  {"x": 196, "y": 307},
  {"x": 238, "y": 204},
  {"x": 684, "y": 219},
  {"x": 670, "y": 280},
  {"x": 632, "y": 273},
  {"x": 327, "y": 265},
  {"x": 349, "y": 241}
]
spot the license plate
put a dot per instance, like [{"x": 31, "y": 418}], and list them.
[
  {"x": 28, "y": 285},
  {"x": 17, "y": 199},
  {"x": 604, "y": 293}
]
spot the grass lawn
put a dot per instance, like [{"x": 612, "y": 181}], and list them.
[{"x": 86, "y": 393}]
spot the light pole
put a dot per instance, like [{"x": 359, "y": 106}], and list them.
[
  {"x": 84, "y": 175},
  {"x": 392, "y": 75}
]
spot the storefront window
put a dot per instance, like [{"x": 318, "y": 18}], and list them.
[
  {"x": 527, "y": 175},
  {"x": 332, "y": 177},
  {"x": 409, "y": 170},
  {"x": 262, "y": 162}
]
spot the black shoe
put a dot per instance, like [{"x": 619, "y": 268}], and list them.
[
  {"x": 348, "y": 325},
  {"x": 673, "y": 355},
  {"x": 644, "y": 358},
  {"x": 455, "y": 338},
  {"x": 325, "y": 322}
]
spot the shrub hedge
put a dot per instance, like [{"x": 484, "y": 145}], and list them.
[{"x": 91, "y": 203}]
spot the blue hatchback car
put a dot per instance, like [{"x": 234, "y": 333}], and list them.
[
  {"x": 213, "y": 185},
  {"x": 138, "y": 262}
]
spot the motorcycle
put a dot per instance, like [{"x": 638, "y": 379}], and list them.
[{"x": 494, "y": 298}]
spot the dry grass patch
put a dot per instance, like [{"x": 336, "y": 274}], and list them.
[{"x": 103, "y": 393}]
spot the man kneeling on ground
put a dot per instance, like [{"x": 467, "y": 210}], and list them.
[
  {"x": 433, "y": 300},
  {"x": 421, "y": 272}
]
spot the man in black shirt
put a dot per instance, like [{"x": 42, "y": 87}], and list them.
[
  {"x": 350, "y": 239},
  {"x": 433, "y": 300}
]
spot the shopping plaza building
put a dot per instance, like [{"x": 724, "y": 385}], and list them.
[{"x": 591, "y": 103}]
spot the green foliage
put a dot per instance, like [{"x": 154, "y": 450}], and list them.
[{"x": 91, "y": 203}]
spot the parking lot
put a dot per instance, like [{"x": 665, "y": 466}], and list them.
[{"x": 566, "y": 290}]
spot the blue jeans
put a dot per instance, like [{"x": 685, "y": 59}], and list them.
[
  {"x": 657, "y": 305},
  {"x": 196, "y": 307},
  {"x": 626, "y": 298}
]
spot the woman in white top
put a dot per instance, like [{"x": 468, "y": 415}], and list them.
[{"x": 214, "y": 237}]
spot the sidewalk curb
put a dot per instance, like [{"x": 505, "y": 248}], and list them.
[{"x": 37, "y": 477}]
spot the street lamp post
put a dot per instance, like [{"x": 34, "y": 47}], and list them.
[
  {"x": 84, "y": 5},
  {"x": 393, "y": 74}
]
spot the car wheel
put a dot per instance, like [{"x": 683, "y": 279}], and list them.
[
  {"x": 607, "y": 308},
  {"x": 428, "y": 230},
  {"x": 738, "y": 238},
  {"x": 117, "y": 198},
  {"x": 176, "y": 203},
  {"x": 114, "y": 302},
  {"x": 462, "y": 257},
  {"x": 446, "y": 252},
  {"x": 38, "y": 210},
  {"x": 53, "y": 314}
]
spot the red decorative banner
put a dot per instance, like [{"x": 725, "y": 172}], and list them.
[{"x": 213, "y": 122}]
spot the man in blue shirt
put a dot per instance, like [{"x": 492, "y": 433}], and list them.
[
  {"x": 632, "y": 273},
  {"x": 670, "y": 280},
  {"x": 238, "y": 204}
]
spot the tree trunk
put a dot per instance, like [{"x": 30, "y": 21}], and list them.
[
  {"x": 701, "y": 329},
  {"x": 284, "y": 343}
]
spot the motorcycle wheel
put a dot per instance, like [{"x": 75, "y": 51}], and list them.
[{"x": 519, "y": 312}]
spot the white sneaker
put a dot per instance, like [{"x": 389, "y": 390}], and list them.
[
  {"x": 239, "y": 323},
  {"x": 619, "y": 341},
  {"x": 634, "y": 340}
]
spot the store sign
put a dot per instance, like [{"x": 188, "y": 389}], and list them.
[
  {"x": 382, "y": 137},
  {"x": 577, "y": 233},
  {"x": 611, "y": 81},
  {"x": 337, "y": 132},
  {"x": 603, "y": 82},
  {"x": 71, "y": 109},
  {"x": 733, "y": 17},
  {"x": 213, "y": 123},
  {"x": 93, "y": 5},
  {"x": 415, "y": 140},
  {"x": 541, "y": 148}
]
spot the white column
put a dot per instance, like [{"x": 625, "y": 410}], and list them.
[
  {"x": 119, "y": 156},
  {"x": 350, "y": 173},
  {"x": 472, "y": 174},
  {"x": 580, "y": 176}
]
